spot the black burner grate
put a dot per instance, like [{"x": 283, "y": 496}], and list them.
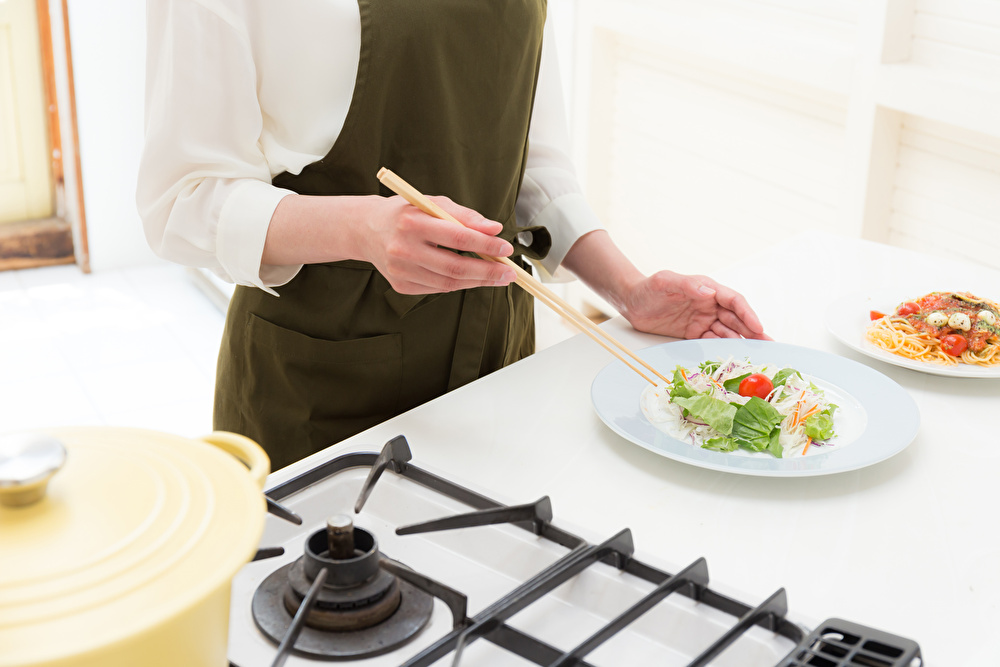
[{"x": 835, "y": 643}]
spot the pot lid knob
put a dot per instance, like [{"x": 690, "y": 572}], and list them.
[{"x": 27, "y": 463}]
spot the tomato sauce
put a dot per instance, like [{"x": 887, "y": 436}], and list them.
[{"x": 947, "y": 303}]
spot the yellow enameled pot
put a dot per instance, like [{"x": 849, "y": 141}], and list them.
[{"x": 125, "y": 555}]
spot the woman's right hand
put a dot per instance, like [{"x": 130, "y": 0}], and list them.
[{"x": 412, "y": 249}]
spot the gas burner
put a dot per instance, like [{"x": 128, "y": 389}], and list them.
[{"x": 351, "y": 607}]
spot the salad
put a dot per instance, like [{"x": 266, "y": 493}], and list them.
[{"x": 730, "y": 405}]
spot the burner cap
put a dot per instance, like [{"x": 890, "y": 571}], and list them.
[{"x": 360, "y": 611}]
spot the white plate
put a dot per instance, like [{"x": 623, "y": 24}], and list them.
[
  {"x": 848, "y": 318},
  {"x": 879, "y": 417}
]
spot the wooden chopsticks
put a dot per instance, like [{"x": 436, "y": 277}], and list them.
[{"x": 527, "y": 282}]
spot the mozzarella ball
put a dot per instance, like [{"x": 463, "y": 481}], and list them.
[
  {"x": 987, "y": 316},
  {"x": 960, "y": 321},
  {"x": 937, "y": 319}
]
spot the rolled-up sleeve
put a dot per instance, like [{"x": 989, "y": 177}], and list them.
[
  {"x": 551, "y": 195},
  {"x": 204, "y": 190}
]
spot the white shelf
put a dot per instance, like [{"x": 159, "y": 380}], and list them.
[
  {"x": 964, "y": 100},
  {"x": 695, "y": 32}
]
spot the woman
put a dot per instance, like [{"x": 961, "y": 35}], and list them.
[{"x": 266, "y": 123}]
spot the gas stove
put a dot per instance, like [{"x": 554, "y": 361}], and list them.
[{"x": 373, "y": 560}]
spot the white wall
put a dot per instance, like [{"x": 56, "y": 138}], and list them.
[
  {"x": 707, "y": 129},
  {"x": 108, "y": 42}
]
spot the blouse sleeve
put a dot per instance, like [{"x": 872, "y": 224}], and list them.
[
  {"x": 204, "y": 190},
  {"x": 551, "y": 195}
]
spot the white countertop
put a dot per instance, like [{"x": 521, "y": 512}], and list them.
[{"x": 910, "y": 545}]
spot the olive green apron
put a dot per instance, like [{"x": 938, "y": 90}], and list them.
[{"x": 443, "y": 97}]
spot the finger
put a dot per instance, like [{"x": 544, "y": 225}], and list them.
[
  {"x": 734, "y": 302},
  {"x": 468, "y": 217},
  {"x": 749, "y": 324},
  {"x": 425, "y": 244},
  {"x": 466, "y": 239},
  {"x": 422, "y": 281},
  {"x": 723, "y": 331},
  {"x": 733, "y": 322},
  {"x": 447, "y": 271}
]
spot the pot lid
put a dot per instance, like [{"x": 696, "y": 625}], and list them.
[{"x": 136, "y": 526}]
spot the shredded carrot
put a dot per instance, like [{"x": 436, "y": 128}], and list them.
[
  {"x": 799, "y": 418},
  {"x": 795, "y": 415},
  {"x": 806, "y": 448},
  {"x": 808, "y": 414}
]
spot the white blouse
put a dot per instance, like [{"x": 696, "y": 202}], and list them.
[{"x": 238, "y": 91}]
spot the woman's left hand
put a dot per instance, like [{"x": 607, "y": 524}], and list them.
[
  {"x": 689, "y": 306},
  {"x": 665, "y": 303}
]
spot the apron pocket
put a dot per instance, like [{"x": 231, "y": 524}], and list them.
[{"x": 355, "y": 382}]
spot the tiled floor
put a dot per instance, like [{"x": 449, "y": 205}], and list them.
[
  {"x": 129, "y": 348},
  {"x": 133, "y": 347}
]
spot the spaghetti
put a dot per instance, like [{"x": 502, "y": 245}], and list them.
[{"x": 941, "y": 328}]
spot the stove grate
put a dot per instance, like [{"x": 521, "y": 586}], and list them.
[
  {"x": 840, "y": 643},
  {"x": 835, "y": 643}
]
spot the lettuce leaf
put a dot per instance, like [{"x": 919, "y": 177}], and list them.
[
  {"x": 716, "y": 413},
  {"x": 709, "y": 367},
  {"x": 755, "y": 426},
  {"x": 819, "y": 425},
  {"x": 680, "y": 387},
  {"x": 721, "y": 444}
]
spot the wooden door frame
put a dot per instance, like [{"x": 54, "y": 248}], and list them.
[{"x": 62, "y": 238}]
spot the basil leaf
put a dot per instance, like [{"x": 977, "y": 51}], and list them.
[
  {"x": 773, "y": 445},
  {"x": 781, "y": 377},
  {"x": 733, "y": 384}
]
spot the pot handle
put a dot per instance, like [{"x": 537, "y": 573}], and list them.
[{"x": 245, "y": 450}]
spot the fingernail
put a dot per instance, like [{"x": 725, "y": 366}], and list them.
[
  {"x": 507, "y": 278},
  {"x": 707, "y": 291}
]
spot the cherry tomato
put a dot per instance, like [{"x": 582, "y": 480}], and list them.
[
  {"x": 907, "y": 308},
  {"x": 953, "y": 344},
  {"x": 758, "y": 385},
  {"x": 875, "y": 315}
]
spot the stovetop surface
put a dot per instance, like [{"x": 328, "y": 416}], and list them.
[{"x": 487, "y": 563}]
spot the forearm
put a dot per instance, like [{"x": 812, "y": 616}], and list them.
[
  {"x": 413, "y": 250},
  {"x": 603, "y": 267},
  {"x": 307, "y": 230}
]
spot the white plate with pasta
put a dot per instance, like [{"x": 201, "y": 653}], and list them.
[
  {"x": 874, "y": 420},
  {"x": 849, "y": 318}
]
